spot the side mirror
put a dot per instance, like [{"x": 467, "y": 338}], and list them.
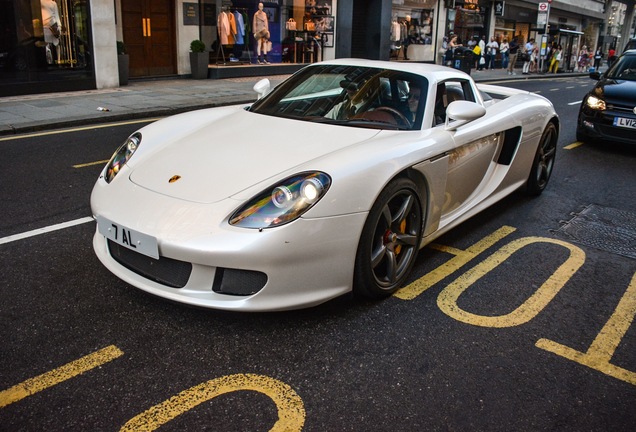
[
  {"x": 595, "y": 75},
  {"x": 262, "y": 87},
  {"x": 462, "y": 112}
]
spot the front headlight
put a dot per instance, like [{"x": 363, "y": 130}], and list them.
[
  {"x": 284, "y": 202},
  {"x": 595, "y": 103},
  {"x": 121, "y": 156}
]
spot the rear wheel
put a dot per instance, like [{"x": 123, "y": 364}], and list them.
[
  {"x": 543, "y": 161},
  {"x": 390, "y": 241}
]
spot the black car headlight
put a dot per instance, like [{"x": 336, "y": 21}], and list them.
[
  {"x": 595, "y": 103},
  {"x": 121, "y": 156},
  {"x": 284, "y": 202}
]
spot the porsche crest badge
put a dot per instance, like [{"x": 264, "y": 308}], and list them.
[{"x": 174, "y": 178}]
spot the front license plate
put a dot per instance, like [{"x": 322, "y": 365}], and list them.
[
  {"x": 128, "y": 238},
  {"x": 625, "y": 122}
]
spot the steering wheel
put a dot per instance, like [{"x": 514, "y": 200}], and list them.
[{"x": 400, "y": 117}]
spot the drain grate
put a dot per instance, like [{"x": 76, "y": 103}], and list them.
[{"x": 604, "y": 228}]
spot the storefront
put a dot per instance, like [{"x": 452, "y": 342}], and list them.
[
  {"x": 249, "y": 33},
  {"x": 290, "y": 31},
  {"x": 65, "y": 45},
  {"x": 46, "y": 45}
]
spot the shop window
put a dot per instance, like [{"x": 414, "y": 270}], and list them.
[
  {"x": 46, "y": 41},
  {"x": 287, "y": 31},
  {"x": 412, "y": 32}
]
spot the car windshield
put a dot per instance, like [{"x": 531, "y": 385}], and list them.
[
  {"x": 623, "y": 69},
  {"x": 349, "y": 95}
]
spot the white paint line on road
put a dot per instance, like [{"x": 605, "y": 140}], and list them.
[
  {"x": 77, "y": 129},
  {"x": 575, "y": 103},
  {"x": 45, "y": 230}
]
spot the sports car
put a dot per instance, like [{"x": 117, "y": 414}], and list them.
[{"x": 328, "y": 183}]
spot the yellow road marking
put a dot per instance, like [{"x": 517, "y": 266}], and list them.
[
  {"x": 461, "y": 257},
  {"x": 77, "y": 129},
  {"x": 447, "y": 299},
  {"x": 602, "y": 350},
  {"x": 291, "y": 411},
  {"x": 84, "y": 165},
  {"x": 56, "y": 376},
  {"x": 573, "y": 145}
]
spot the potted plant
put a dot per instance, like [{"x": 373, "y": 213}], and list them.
[
  {"x": 122, "y": 63},
  {"x": 199, "y": 59}
]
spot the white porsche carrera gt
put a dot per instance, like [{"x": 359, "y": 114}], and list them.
[{"x": 330, "y": 182}]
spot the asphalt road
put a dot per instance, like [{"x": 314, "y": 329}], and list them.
[{"x": 506, "y": 323}]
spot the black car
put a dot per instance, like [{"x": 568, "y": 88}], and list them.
[{"x": 608, "y": 111}]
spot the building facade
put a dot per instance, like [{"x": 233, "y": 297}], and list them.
[{"x": 61, "y": 45}]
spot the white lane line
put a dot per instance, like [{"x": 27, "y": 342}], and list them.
[
  {"x": 45, "y": 230},
  {"x": 575, "y": 103},
  {"x": 77, "y": 129}
]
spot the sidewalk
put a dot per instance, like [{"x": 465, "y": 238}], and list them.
[{"x": 156, "y": 98}]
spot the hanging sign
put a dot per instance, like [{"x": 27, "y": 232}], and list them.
[{"x": 499, "y": 8}]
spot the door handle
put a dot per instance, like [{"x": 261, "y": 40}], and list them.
[{"x": 145, "y": 25}]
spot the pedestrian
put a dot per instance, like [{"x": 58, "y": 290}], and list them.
[
  {"x": 476, "y": 55},
  {"x": 450, "y": 52},
  {"x": 442, "y": 50},
  {"x": 482, "y": 47},
  {"x": 584, "y": 57},
  {"x": 556, "y": 58},
  {"x": 491, "y": 53},
  {"x": 514, "y": 52},
  {"x": 504, "y": 49},
  {"x": 534, "y": 57},
  {"x": 611, "y": 57},
  {"x": 529, "y": 47},
  {"x": 598, "y": 58}
]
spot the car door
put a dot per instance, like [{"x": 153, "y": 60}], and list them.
[{"x": 471, "y": 162}]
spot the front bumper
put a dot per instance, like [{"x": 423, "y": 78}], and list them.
[
  {"x": 302, "y": 264},
  {"x": 599, "y": 125}
]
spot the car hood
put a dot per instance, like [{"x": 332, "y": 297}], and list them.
[
  {"x": 222, "y": 157},
  {"x": 616, "y": 92}
]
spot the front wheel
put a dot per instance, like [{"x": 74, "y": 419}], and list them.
[
  {"x": 390, "y": 241},
  {"x": 543, "y": 161}
]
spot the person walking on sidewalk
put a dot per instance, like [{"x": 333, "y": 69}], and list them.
[
  {"x": 584, "y": 59},
  {"x": 491, "y": 53},
  {"x": 514, "y": 51},
  {"x": 482, "y": 48},
  {"x": 598, "y": 57},
  {"x": 527, "y": 53},
  {"x": 556, "y": 58},
  {"x": 504, "y": 50}
]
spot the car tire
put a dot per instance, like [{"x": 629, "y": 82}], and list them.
[
  {"x": 390, "y": 241},
  {"x": 580, "y": 135},
  {"x": 543, "y": 161}
]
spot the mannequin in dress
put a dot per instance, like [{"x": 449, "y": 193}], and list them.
[
  {"x": 260, "y": 26},
  {"x": 51, "y": 26}
]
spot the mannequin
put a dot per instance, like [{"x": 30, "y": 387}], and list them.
[
  {"x": 51, "y": 20},
  {"x": 260, "y": 26},
  {"x": 51, "y": 26}
]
